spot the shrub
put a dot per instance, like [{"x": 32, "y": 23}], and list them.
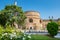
[
  {"x": 52, "y": 28},
  {"x": 14, "y": 36},
  {"x": 10, "y": 33}
]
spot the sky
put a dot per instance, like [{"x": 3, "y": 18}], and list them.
[{"x": 46, "y": 8}]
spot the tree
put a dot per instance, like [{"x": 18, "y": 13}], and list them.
[
  {"x": 58, "y": 22},
  {"x": 11, "y": 14},
  {"x": 52, "y": 28},
  {"x": 3, "y": 19}
]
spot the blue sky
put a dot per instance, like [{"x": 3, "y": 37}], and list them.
[{"x": 45, "y": 7}]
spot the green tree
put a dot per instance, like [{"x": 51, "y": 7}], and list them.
[
  {"x": 58, "y": 22},
  {"x": 52, "y": 28},
  {"x": 11, "y": 14},
  {"x": 3, "y": 19}
]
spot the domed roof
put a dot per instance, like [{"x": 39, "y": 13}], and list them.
[{"x": 32, "y": 13}]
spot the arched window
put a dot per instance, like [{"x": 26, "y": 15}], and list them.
[
  {"x": 31, "y": 28},
  {"x": 40, "y": 21},
  {"x": 31, "y": 20}
]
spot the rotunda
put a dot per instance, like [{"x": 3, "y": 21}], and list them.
[{"x": 33, "y": 20}]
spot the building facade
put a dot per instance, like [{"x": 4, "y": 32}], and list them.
[{"x": 34, "y": 21}]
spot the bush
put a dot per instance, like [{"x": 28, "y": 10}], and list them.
[
  {"x": 52, "y": 28},
  {"x": 14, "y": 36},
  {"x": 10, "y": 33}
]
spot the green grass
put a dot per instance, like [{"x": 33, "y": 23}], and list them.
[{"x": 42, "y": 37}]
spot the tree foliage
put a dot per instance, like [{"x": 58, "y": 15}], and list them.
[
  {"x": 11, "y": 14},
  {"x": 58, "y": 22},
  {"x": 52, "y": 28}
]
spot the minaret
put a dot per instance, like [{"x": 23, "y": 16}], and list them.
[{"x": 15, "y": 2}]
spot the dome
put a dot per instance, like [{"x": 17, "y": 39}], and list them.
[{"x": 32, "y": 13}]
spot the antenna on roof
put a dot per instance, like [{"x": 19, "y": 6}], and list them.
[{"x": 15, "y": 2}]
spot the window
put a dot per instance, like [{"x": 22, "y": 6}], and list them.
[
  {"x": 40, "y": 21},
  {"x": 31, "y": 28},
  {"x": 31, "y": 20}
]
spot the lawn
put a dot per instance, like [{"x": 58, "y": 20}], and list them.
[{"x": 42, "y": 37}]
